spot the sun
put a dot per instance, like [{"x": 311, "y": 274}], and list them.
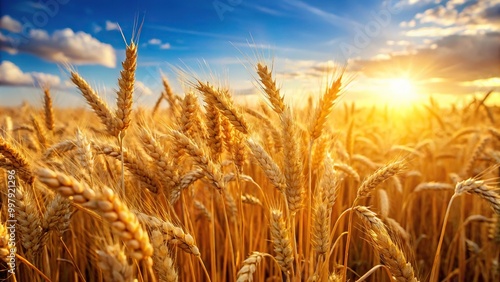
[{"x": 401, "y": 90}]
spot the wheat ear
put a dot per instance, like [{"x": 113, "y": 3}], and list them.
[
  {"x": 433, "y": 186},
  {"x": 59, "y": 148},
  {"x": 320, "y": 227},
  {"x": 214, "y": 129},
  {"x": 293, "y": 168},
  {"x": 67, "y": 186},
  {"x": 40, "y": 133},
  {"x": 272, "y": 92},
  {"x": 189, "y": 119},
  {"x": 98, "y": 105},
  {"x": 126, "y": 89},
  {"x": 169, "y": 175},
  {"x": 108, "y": 205},
  {"x": 224, "y": 104},
  {"x": 245, "y": 274},
  {"x": 390, "y": 254},
  {"x": 125, "y": 225},
  {"x": 84, "y": 152},
  {"x": 378, "y": 177},
  {"x": 163, "y": 262},
  {"x": 280, "y": 236},
  {"x": 171, "y": 98},
  {"x": 480, "y": 188},
  {"x": 48, "y": 110},
  {"x": 268, "y": 165},
  {"x": 200, "y": 157},
  {"x": 325, "y": 106},
  {"x": 58, "y": 214},
  {"x": 17, "y": 161},
  {"x": 114, "y": 265},
  {"x": 349, "y": 170},
  {"x": 134, "y": 164},
  {"x": 29, "y": 222},
  {"x": 172, "y": 234}
]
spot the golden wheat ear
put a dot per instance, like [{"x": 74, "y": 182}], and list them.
[
  {"x": 48, "y": 109},
  {"x": 390, "y": 254},
  {"x": 16, "y": 160},
  {"x": 99, "y": 106},
  {"x": 126, "y": 89}
]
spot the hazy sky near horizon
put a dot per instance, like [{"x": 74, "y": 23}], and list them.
[{"x": 447, "y": 49}]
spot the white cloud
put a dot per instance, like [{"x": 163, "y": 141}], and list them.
[
  {"x": 11, "y": 74},
  {"x": 154, "y": 41},
  {"x": 96, "y": 28},
  {"x": 112, "y": 25},
  {"x": 438, "y": 15},
  {"x": 46, "y": 79},
  {"x": 142, "y": 89},
  {"x": 165, "y": 46},
  {"x": 458, "y": 16},
  {"x": 455, "y": 58},
  {"x": 415, "y": 2},
  {"x": 8, "y": 23},
  {"x": 411, "y": 23},
  {"x": 435, "y": 31},
  {"x": 63, "y": 46}
]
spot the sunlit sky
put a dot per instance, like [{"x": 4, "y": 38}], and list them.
[{"x": 394, "y": 50}]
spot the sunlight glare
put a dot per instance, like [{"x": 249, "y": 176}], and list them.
[{"x": 402, "y": 91}]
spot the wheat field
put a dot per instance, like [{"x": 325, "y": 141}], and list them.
[{"x": 200, "y": 188}]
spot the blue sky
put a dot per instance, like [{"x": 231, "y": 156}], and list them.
[{"x": 448, "y": 49}]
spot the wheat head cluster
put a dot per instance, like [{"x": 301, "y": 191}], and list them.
[{"x": 207, "y": 189}]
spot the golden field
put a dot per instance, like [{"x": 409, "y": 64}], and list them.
[{"x": 206, "y": 189}]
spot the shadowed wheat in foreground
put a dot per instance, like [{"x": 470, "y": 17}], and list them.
[{"x": 202, "y": 191}]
